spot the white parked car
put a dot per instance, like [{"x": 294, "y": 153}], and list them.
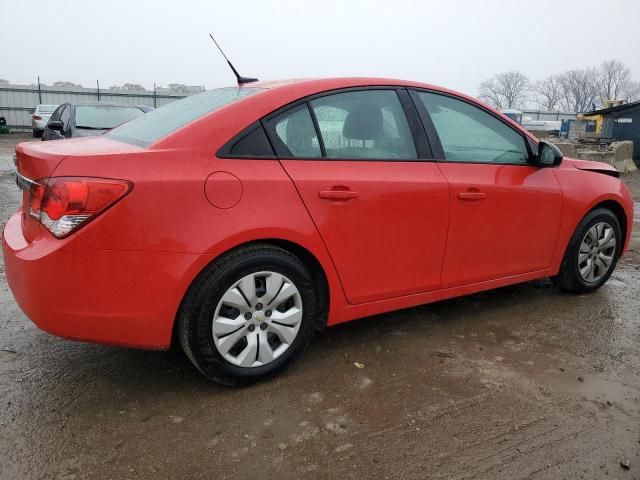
[{"x": 40, "y": 118}]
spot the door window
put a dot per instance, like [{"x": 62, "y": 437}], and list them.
[
  {"x": 469, "y": 134},
  {"x": 56, "y": 114},
  {"x": 364, "y": 124},
  {"x": 65, "y": 116},
  {"x": 294, "y": 135}
]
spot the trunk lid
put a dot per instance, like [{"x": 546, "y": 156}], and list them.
[{"x": 36, "y": 160}]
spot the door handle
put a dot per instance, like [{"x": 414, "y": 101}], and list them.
[
  {"x": 337, "y": 194},
  {"x": 472, "y": 195}
]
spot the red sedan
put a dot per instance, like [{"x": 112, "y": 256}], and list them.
[{"x": 239, "y": 221}]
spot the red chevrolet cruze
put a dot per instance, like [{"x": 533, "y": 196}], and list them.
[{"x": 241, "y": 220}]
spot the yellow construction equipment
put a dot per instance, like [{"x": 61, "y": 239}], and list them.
[{"x": 599, "y": 119}]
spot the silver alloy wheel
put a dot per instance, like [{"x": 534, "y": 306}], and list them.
[
  {"x": 597, "y": 251},
  {"x": 257, "y": 319}
]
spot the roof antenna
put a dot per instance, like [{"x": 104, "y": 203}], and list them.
[{"x": 241, "y": 80}]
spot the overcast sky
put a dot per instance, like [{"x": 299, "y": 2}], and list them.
[{"x": 454, "y": 43}]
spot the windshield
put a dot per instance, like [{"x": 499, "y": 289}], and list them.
[
  {"x": 162, "y": 121},
  {"x": 47, "y": 108},
  {"x": 101, "y": 117}
]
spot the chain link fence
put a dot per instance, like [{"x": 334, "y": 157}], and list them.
[{"x": 18, "y": 102}]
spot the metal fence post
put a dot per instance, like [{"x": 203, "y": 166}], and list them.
[
  {"x": 39, "y": 91},
  {"x": 154, "y": 96},
  {"x": 98, "y": 85}
]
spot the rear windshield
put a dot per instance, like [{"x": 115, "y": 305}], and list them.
[
  {"x": 160, "y": 122},
  {"x": 47, "y": 108},
  {"x": 99, "y": 117}
]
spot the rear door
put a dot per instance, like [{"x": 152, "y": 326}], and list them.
[
  {"x": 362, "y": 168},
  {"x": 505, "y": 212}
]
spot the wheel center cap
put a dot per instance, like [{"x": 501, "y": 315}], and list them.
[{"x": 259, "y": 316}]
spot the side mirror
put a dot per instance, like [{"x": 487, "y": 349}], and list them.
[
  {"x": 548, "y": 155},
  {"x": 55, "y": 125}
]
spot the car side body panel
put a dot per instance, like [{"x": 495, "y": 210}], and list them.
[
  {"x": 510, "y": 230},
  {"x": 582, "y": 191},
  {"x": 399, "y": 204},
  {"x": 121, "y": 278},
  {"x": 169, "y": 193}
]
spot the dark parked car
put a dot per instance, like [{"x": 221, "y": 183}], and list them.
[
  {"x": 87, "y": 119},
  {"x": 145, "y": 108}
]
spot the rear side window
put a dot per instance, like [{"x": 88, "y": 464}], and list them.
[
  {"x": 364, "y": 124},
  {"x": 469, "y": 134},
  {"x": 159, "y": 123},
  {"x": 294, "y": 135},
  {"x": 253, "y": 144}
]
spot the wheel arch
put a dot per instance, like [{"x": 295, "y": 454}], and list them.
[
  {"x": 317, "y": 271},
  {"x": 618, "y": 210},
  {"x": 310, "y": 260}
]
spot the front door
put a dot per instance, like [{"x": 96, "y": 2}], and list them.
[{"x": 504, "y": 212}]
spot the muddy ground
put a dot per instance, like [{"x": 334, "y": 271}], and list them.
[{"x": 521, "y": 382}]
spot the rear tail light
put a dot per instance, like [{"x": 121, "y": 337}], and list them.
[
  {"x": 63, "y": 204},
  {"x": 37, "y": 117}
]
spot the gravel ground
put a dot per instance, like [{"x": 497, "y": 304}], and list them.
[{"x": 521, "y": 382}]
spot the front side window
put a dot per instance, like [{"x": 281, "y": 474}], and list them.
[
  {"x": 469, "y": 134},
  {"x": 364, "y": 124},
  {"x": 158, "y": 123},
  {"x": 294, "y": 134}
]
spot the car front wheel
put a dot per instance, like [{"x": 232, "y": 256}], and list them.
[
  {"x": 248, "y": 315},
  {"x": 592, "y": 253}
]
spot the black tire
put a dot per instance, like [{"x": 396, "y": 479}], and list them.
[
  {"x": 37, "y": 133},
  {"x": 196, "y": 314},
  {"x": 569, "y": 277}
]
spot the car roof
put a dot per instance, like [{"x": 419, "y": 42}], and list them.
[
  {"x": 100, "y": 104},
  {"x": 276, "y": 94},
  {"x": 322, "y": 84},
  {"x": 302, "y": 87},
  {"x": 331, "y": 83}
]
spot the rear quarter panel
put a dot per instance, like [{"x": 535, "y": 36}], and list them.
[{"x": 168, "y": 210}]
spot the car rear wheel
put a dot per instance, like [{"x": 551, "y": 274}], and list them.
[
  {"x": 249, "y": 315},
  {"x": 37, "y": 133},
  {"x": 592, "y": 253}
]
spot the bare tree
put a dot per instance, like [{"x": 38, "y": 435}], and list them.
[
  {"x": 127, "y": 86},
  {"x": 4, "y": 82},
  {"x": 549, "y": 92},
  {"x": 489, "y": 92},
  {"x": 581, "y": 88},
  {"x": 60, "y": 83},
  {"x": 179, "y": 88},
  {"x": 631, "y": 92},
  {"x": 505, "y": 90},
  {"x": 613, "y": 77}
]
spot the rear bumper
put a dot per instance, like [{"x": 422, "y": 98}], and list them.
[{"x": 72, "y": 290}]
